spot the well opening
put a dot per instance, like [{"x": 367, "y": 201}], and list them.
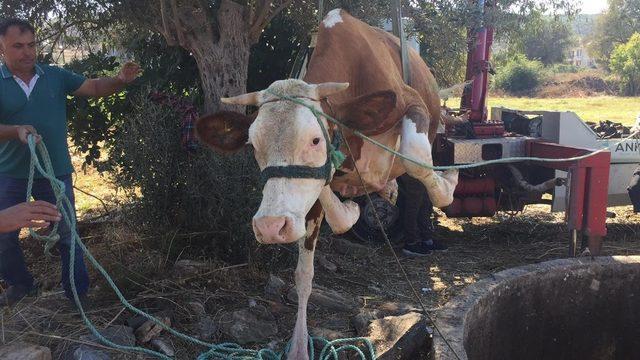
[{"x": 564, "y": 309}]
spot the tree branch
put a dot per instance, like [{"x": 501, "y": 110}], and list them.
[
  {"x": 275, "y": 13},
  {"x": 178, "y": 26},
  {"x": 166, "y": 32},
  {"x": 209, "y": 27},
  {"x": 260, "y": 12},
  {"x": 263, "y": 19}
]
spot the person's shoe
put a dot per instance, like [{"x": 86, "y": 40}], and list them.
[
  {"x": 418, "y": 248},
  {"x": 14, "y": 293},
  {"x": 434, "y": 245}
]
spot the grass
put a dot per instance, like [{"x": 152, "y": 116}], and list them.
[
  {"x": 93, "y": 191},
  {"x": 618, "y": 109}
]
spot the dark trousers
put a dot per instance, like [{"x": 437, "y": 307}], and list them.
[
  {"x": 634, "y": 190},
  {"x": 12, "y": 264},
  {"x": 415, "y": 208}
]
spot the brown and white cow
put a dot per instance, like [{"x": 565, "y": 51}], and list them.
[{"x": 354, "y": 75}]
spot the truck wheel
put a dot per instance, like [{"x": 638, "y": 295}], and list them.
[{"x": 367, "y": 228}]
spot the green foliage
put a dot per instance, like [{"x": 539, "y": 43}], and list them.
[
  {"x": 563, "y": 69},
  {"x": 546, "y": 39},
  {"x": 625, "y": 62},
  {"x": 272, "y": 58},
  {"x": 500, "y": 59},
  {"x": 199, "y": 193},
  {"x": 92, "y": 121},
  {"x": 614, "y": 27},
  {"x": 442, "y": 30},
  {"x": 519, "y": 75}
]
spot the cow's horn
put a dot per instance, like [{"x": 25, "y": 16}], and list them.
[
  {"x": 246, "y": 99},
  {"x": 325, "y": 89}
]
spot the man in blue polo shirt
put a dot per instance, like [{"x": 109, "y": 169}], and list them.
[{"x": 33, "y": 101}]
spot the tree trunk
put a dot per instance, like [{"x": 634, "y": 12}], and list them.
[
  {"x": 220, "y": 46},
  {"x": 223, "y": 73},
  {"x": 222, "y": 55},
  {"x": 224, "y": 70}
]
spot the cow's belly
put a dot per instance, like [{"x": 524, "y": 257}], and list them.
[{"x": 376, "y": 167}]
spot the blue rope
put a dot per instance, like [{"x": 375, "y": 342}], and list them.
[{"x": 226, "y": 351}]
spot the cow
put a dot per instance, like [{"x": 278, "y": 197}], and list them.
[{"x": 354, "y": 74}]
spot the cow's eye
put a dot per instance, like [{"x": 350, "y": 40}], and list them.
[{"x": 316, "y": 141}]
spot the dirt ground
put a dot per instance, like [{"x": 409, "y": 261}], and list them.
[{"x": 477, "y": 248}]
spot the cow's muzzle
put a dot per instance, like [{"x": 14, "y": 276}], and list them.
[{"x": 276, "y": 229}]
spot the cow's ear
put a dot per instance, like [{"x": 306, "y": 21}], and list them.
[
  {"x": 224, "y": 131},
  {"x": 369, "y": 113}
]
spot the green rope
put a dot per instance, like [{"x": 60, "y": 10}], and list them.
[
  {"x": 225, "y": 351},
  {"x": 319, "y": 113},
  {"x": 58, "y": 187},
  {"x": 333, "y": 147}
]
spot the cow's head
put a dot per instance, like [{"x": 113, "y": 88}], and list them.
[{"x": 283, "y": 134}]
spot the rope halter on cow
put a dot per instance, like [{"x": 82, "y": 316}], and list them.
[{"x": 335, "y": 157}]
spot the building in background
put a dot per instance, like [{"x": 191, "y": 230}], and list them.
[
  {"x": 579, "y": 56},
  {"x": 583, "y": 26}
]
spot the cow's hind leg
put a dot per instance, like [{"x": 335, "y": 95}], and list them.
[
  {"x": 415, "y": 144},
  {"x": 304, "y": 278}
]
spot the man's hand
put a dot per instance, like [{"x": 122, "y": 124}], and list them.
[
  {"x": 129, "y": 72},
  {"x": 32, "y": 214},
  {"x": 24, "y": 131}
]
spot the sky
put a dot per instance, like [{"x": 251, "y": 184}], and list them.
[{"x": 593, "y": 6}]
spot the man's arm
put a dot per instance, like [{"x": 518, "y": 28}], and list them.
[
  {"x": 109, "y": 85},
  {"x": 8, "y": 132}
]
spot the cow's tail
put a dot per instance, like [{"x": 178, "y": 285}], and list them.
[
  {"x": 450, "y": 119},
  {"x": 446, "y": 118},
  {"x": 455, "y": 89}
]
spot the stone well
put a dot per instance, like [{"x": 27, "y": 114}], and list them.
[{"x": 581, "y": 308}]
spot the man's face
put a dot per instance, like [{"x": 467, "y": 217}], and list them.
[{"x": 19, "y": 49}]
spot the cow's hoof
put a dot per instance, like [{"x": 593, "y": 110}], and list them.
[{"x": 298, "y": 355}]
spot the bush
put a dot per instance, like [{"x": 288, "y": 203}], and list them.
[
  {"x": 93, "y": 120},
  {"x": 625, "y": 62},
  {"x": 564, "y": 69},
  {"x": 202, "y": 193},
  {"x": 519, "y": 75}
]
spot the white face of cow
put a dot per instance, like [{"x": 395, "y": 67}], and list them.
[{"x": 284, "y": 134}]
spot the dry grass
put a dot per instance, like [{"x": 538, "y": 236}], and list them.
[
  {"x": 95, "y": 194},
  {"x": 477, "y": 248}
]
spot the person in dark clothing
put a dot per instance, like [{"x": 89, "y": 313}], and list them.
[
  {"x": 415, "y": 213},
  {"x": 634, "y": 184},
  {"x": 634, "y": 190}
]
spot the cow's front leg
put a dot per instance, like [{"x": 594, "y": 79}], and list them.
[
  {"x": 304, "y": 279},
  {"x": 339, "y": 215},
  {"x": 415, "y": 144}
]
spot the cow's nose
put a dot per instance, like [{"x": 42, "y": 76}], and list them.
[{"x": 272, "y": 229}]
